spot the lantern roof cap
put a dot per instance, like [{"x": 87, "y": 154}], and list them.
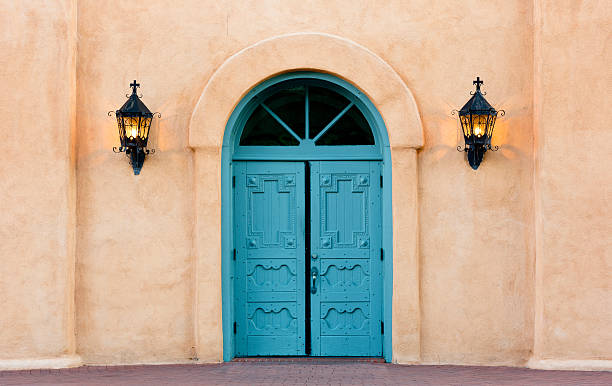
[
  {"x": 134, "y": 105},
  {"x": 477, "y": 102}
]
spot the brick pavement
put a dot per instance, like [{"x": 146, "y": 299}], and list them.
[{"x": 312, "y": 372}]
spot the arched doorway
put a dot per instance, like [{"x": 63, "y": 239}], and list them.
[
  {"x": 212, "y": 139},
  {"x": 307, "y": 161}
]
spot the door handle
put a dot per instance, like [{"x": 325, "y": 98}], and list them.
[{"x": 314, "y": 272}]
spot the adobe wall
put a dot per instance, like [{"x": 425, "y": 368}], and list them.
[
  {"x": 78, "y": 226},
  {"x": 37, "y": 183},
  {"x": 573, "y": 183},
  {"x": 135, "y": 255}
]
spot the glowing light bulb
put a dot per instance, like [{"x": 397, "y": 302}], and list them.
[
  {"x": 478, "y": 131},
  {"x": 134, "y": 132}
]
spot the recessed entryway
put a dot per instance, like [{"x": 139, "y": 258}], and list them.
[{"x": 307, "y": 181}]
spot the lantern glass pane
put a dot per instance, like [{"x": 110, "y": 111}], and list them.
[
  {"x": 120, "y": 127},
  {"x": 125, "y": 122},
  {"x": 134, "y": 127},
  {"x": 465, "y": 125},
  {"x": 491, "y": 125},
  {"x": 130, "y": 125},
  {"x": 479, "y": 125},
  {"x": 145, "y": 125},
  {"x": 141, "y": 129}
]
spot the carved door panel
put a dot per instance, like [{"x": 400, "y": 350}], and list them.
[
  {"x": 269, "y": 277},
  {"x": 346, "y": 268}
]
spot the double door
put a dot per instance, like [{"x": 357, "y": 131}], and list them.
[{"x": 308, "y": 269}]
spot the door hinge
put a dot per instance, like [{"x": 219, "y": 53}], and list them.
[
  {"x": 382, "y": 327},
  {"x": 381, "y": 181},
  {"x": 382, "y": 254},
  {"x": 234, "y": 253},
  {"x": 234, "y": 327},
  {"x": 233, "y": 181}
]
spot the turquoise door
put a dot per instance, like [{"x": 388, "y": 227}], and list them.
[
  {"x": 302, "y": 258},
  {"x": 269, "y": 283},
  {"x": 328, "y": 303},
  {"x": 346, "y": 266}
]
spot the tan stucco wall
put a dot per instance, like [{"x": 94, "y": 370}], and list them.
[
  {"x": 419, "y": 40},
  {"x": 476, "y": 243},
  {"x": 493, "y": 249},
  {"x": 134, "y": 246},
  {"x": 37, "y": 220},
  {"x": 573, "y": 180}
]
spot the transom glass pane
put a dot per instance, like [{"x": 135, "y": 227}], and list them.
[
  {"x": 289, "y": 105},
  {"x": 351, "y": 129},
  {"x": 262, "y": 129},
  {"x": 325, "y": 105}
]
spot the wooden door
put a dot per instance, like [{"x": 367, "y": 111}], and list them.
[
  {"x": 339, "y": 309},
  {"x": 269, "y": 281},
  {"x": 346, "y": 267}
]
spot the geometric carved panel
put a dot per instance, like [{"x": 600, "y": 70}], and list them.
[
  {"x": 345, "y": 319},
  {"x": 272, "y": 319},
  {"x": 345, "y": 275},
  {"x": 271, "y": 275},
  {"x": 344, "y": 211},
  {"x": 271, "y": 213}
]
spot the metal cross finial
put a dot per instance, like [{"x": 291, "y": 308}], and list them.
[
  {"x": 134, "y": 85},
  {"x": 477, "y": 82}
]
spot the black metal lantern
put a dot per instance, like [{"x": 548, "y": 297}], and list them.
[
  {"x": 134, "y": 122},
  {"x": 477, "y": 118}
]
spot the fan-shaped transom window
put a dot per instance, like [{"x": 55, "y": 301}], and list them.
[{"x": 306, "y": 116}]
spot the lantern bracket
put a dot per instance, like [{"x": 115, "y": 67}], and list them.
[
  {"x": 487, "y": 147},
  {"x": 136, "y": 154}
]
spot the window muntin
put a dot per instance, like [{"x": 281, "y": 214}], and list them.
[
  {"x": 325, "y": 105},
  {"x": 302, "y": 113}
]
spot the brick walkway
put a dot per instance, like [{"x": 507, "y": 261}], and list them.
[{"x": 314, "y": 372}]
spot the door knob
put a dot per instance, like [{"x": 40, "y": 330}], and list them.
[
  {"x": 314, "y": 255},
  {"x": 314, "y": 273}
]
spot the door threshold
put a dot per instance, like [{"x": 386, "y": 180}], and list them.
[{"x": 312, "y": 359}]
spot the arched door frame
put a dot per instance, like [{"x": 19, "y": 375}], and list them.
[
  {"x": 232, "y": 134},
  {"x": 263, "y": 90},
  {"x": 230, "y": 83}
]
